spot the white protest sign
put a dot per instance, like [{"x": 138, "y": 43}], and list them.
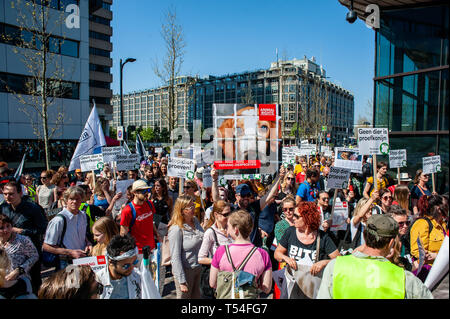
[
  {"x": 348, "y": 158},
  {"x": 204, "y": 158},
  {"x": 158, "y": 150},
  {"x": 340, "y": 216},
  {"x": 110, "y": 153},
  {"x": 397, "y": 158},
  {"x": 206, "y": 176},
  {"x": 288, "y": 156},
  {"x": 337, "y": 177},
  {"x": 307, "y": 149},
  {"x": 181, "y": 167},
  {"x": 91, "y": 162},
  {"x": 121, "y": 187},
  {"x": 373, "y": 141},
  {"x": 127, "y": 162},
  {"x": 97, "y": 262},
  {"x": 326, "y": 150},
  {"x": 182, "y": 153},
  {"x": 431, "y": 164}
]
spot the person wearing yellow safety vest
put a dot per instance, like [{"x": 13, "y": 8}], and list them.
[{"x": 367, "y": 274}]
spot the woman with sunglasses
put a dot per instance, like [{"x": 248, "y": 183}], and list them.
[
  {"x": 215, "y": 232},
  {"x": 190, "y": 188},
  {"x": 162, "y": 201},
  {"x": 45, "y": 195},
  {"x": 386, "y": 200},
  {"x": 419, "y": 189},
  {"x": 185, "y": 239},
  {"x": 298, "y": 246},
  {"x": 60, "y": 180},
  {"x": 401, "y": 255}
]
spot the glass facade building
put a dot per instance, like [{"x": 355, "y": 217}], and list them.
[{"x": 411, "y": 83}]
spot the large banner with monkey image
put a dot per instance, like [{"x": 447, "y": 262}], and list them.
[{"x": 247, "y": 138}]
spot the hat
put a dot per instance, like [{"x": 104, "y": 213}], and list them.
[
  {"x": 139, "y": 184},
  {"x": 199, "y": 172},
  {"x": 404, "y": 177},
  {"x": 243, "y": 189},
  {"x": 382, "y": 226}
]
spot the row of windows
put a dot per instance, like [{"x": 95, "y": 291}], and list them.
[
  {"x": 16, "y": 36},
  {"x": 100, "y": 20},
  {"x": 100, "y": 100},
  {"x": 99, "y": 36},
  {"x": 100, "y": 52},
  {"x": 55, "y": 4},
  {"x": 99, "y": 68},
  {"x": 99, "y": 84},
  {"x": 22, "y": 84}
]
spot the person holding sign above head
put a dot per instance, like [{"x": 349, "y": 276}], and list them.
[
  {"x": 308, "y": 191},
  {"x": 137, "y": 217},
  {"x": 367, "y": 273},
  {"x": 382, "y": 181}
]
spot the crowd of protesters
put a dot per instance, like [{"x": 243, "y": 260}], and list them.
[
  {"x": 279, "y": 224},
  {"x": 13, "y": 151}
]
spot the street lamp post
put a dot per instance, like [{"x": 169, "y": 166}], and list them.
[{"x": 121, "y": 87}]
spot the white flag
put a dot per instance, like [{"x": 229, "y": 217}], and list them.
[
  {"x": 126, "y": 148},
  {"x": 19, "y": 169},
  {"x": 91, "y": 138}
]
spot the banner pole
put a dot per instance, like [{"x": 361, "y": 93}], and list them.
[
  {"x": 434, "y": 183},
  {"x": 93, "y": 177},
  {"x": 375, "y": 179},
  {"x": 398, "y": 176},
  {"x": 334, "y": 203},
  {"x": 114, "y": 169}
]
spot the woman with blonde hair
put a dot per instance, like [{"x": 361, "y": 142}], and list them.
[
  {"x": 101, "y": 193},
  {"x": 60, "y": 180},
  {"x": 19, "y": 288},
  {"x": 185, "y": 238},
  {"x": 89, "y": 180},
  {"x": 103, "y": 230},
  {"x": 191, "y": 188}
]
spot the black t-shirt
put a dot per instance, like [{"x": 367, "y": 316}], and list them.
[
  {"x": 17, "y": 290},
  {"x": 306, "y": 254}
]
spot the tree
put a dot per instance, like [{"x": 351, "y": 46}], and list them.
[
  {"x": 148, "y": 134},
  {"x": 37, "y": 44},
  {"x": 169, "y": 69}
]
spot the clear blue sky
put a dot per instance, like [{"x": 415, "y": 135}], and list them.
[{"x": 232, "y": 36}]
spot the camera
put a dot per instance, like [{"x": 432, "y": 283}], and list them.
[{"x": 351, "y": 16}]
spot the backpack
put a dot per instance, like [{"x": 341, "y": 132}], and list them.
[
  {"x": 237, "y": 284},
  {"x": 347, "y": 245},
  {"x": 407, "y": 236},
  {"x": 52, "y": 260},
  {"x": 205, "y": 288},
  {"x": 133, "y": 212}
]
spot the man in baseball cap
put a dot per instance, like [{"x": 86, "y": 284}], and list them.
[
  {"x": 367, "y": 273},
  {"x": 137, "y": 217}
]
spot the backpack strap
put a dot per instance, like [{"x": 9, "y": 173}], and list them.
[
  {"x": 318, "y": 247},
  {"x": 133, "y": 212},
  {"x": 244, "y": 262},
  {"x": 60, "y": 243}
]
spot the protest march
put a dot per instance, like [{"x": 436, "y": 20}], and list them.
[{"x": 117, "y": 224}]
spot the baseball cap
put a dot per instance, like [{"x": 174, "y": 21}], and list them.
[
  {"x": 381, "y": 225},
  {"x": 243, "y": 189},
  {"x": 139, "y": 184}
]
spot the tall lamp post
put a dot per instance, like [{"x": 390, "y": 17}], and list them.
[{"x": 121, "y": 87}]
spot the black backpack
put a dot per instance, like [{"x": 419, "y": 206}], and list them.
[{"x": 347, "y": 245}]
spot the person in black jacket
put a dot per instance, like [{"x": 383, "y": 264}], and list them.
[{"x": 29, "y": 220}]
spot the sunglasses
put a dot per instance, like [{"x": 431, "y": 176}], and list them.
[
  {"x": 44, "y": 177},
  {"x": 297, "y": 216},
  {"x": 325, "y": 198},
  {"x": 143, "y": 191},
  {"x": 127, "y": 266},
  {"x": 387, "y": 197},
  {"x": 225, "y": 215},
  {"x": 187, "y": 186},
  {"x": 401, "y": 224},
  {"x": 291, "y": 209},
  {"x": 290, "y": 178}
]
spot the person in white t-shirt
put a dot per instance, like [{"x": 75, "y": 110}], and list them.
[{"x": 361, "y": 214}]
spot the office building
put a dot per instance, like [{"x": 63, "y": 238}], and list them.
[{"x": 411, "y": 78}]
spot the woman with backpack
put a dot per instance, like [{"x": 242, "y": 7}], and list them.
[
  {"x": 430, "y": 228},
  {"x": 253, "y": 263},
  {"x": 419, "y": 189}
]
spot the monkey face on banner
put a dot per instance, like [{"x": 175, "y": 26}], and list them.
[{"x": 247, "y": 138}]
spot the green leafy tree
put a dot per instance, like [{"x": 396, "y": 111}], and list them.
[{"x": 148, "y": 134}]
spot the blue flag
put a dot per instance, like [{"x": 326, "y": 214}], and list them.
[
  {"x": 91, "y": 140},
  {"x": 20, "y": 169}
]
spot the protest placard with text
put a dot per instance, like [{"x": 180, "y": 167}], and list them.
[
  {"x": 397, "y": 158},
  {"x": 338, "y": 177},
  {"x": 431, "y": 164},
  {"x": 373, "y": 141},
  {"x": 127, "y": 162},
  {"x": 348, "y": 158},
  {"x": 110, "y": 153},
  {"x": 340, "y": 215},
  {"x": 91, "y": 162},
  {"x": 181, "y": 167}
]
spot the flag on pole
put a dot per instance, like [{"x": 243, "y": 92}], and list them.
[
  {"x": 20, "y": 168},
  {"x": 125, "y": 147},
  {"x": 140, "y": 148},
  {"x": 91, "y": 140}
]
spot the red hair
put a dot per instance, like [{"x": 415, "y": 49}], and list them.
[
  {"x": 423, "y": 206},
  {"x": 310, "y": 214}
]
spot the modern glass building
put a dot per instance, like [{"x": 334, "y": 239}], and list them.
[{"x": 411, "y": 79}]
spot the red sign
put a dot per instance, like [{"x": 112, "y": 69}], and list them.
[
  {"x": 101, "y": 260},
  {"x": 267, "y": 112},
  {"x": 252, "y": 164}
]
